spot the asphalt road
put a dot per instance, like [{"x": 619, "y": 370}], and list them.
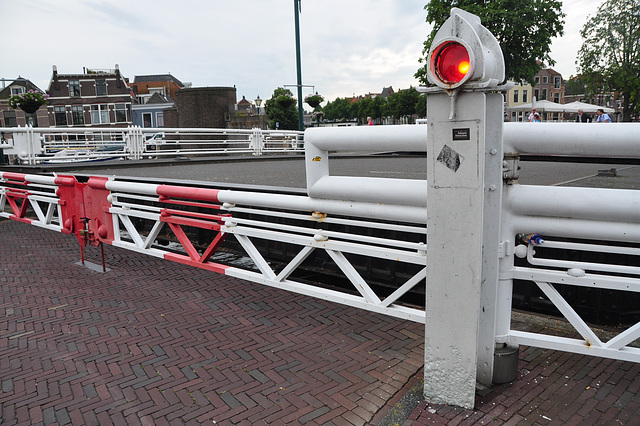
[{"x": 290, "y": 172}]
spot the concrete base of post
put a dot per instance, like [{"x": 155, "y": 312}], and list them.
[{"x": 505, "y": 363}]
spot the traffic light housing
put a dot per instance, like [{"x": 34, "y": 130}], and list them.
[{"x": 465, "y": 54}]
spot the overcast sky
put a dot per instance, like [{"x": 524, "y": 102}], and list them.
[{"x": 348, "y": 46}]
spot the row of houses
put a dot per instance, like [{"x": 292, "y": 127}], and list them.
[
  {"x": 549, "y": 85},
  {"x": 106, "y": 98}
]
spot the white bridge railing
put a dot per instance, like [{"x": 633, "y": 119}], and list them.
[
  {"x": 28, "y": 145},
  {"x": 330, "y": 219}
]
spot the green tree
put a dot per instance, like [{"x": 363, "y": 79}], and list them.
[
  {"x": 367, "y": 107},
  {"x": 575, "y": 85},
  {"x": 609, "y": 59},
  {"x": 524, "y": 29},
  {"x": 421, "y": 106},
  {"x": 281, "y": 109},
  {"x": 402, "y": 103},
  {"x": 339, "y": 109}
]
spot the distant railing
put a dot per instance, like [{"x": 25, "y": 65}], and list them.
[{"x": 29, "y": 145}]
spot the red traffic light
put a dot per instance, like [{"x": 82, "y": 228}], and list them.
[{"x": 450, "y": 62}]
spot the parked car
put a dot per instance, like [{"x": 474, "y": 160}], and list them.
[{"x": 152, "y": 141}]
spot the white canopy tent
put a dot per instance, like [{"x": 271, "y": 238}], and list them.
[
  {"x": 589, "y": 108},
  {"x": 542, "y": 106}
]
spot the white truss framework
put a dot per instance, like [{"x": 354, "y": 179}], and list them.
[{"x": 309, "y": 239}]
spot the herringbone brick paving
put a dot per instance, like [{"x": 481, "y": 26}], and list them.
[
  {"x": 156, "y": 342},
  {"x": 153, "y": 342},
  {"x": 552, "y": 388}
]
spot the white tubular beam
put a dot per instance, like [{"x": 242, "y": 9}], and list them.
[
  {"x": 47, "y": 180},
  {"x": 401, "y": 213},
  {"x": 576, "y": 228},
  {"x": 594, "y": 140},
  {"x": 320, "y": 140},
  {"x": 613, "y": 205},
  {"x": 371, "y": 190},
  {"x": 366, "y": 138},
  {"x": 132, "y": 187}
]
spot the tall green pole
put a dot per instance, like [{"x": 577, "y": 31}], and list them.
[{"x": 300, "y": 110}]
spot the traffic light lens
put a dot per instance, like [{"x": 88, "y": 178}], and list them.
[{"x": 450, "y": 62}]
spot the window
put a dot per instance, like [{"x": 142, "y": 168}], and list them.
[
  {"x": 121, "y": 113},
  {"x": 10, "y": 119},
  {"x": 153, "y": 90},
  {"x": 556, "y": 98},
  {"x": 101, "y": 88},
  {"x": 515, "y": 96},
  {"x": 60, "y": 114},
  {"x": 525, "y": 98},
  {"x": 99, "y": 114},
  {"x": 536, "y": 93},
  {"x": 545, "y": 79},
  {"x": 74, "y": 88},
  {"x": 556, "y": 81},
  {"x": 537, "y": 79},
  {"x": 146, "y": 119},
  {"x": 77, "y": 114},
  {"x": 544, "y": 94},
  {"x": 17, "y": 91},
  {"x": 159, "y": 119}
]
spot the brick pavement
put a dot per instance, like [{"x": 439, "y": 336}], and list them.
[
  {"x": 552, "y": 388},
  {"x": 153, "y": 342}
]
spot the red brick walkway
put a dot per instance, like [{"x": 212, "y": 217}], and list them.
[
  {"x": 156, "y": 343},
  {"x": 153, "y": 342},
  {"x": 552, "y": 388}
]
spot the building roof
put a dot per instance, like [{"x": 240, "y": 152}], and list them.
[
  {"x": 157, "y": 98},
  {"x": 6, "y": 92},
  {"x": 386, "y": 91},
  {"x": 156, "y": 77}
]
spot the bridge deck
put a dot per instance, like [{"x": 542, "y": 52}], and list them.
[{"x": 155, "y": 342}]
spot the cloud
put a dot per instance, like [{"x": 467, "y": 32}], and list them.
[{"x": 347, "y": 47}]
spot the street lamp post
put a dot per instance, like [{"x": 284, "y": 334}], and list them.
[
  {"x": 258, "y": 102},
  {"x": 296, "y": 9}
]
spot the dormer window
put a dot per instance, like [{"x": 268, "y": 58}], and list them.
[
  {"x": 74, "y": 88},
  {"x": 101, "y": 88}
]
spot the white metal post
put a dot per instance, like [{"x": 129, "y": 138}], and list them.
[{"x": 463, "y": 218}]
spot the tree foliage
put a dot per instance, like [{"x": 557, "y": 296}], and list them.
[
  {"x": 402, "y": 103},
  {"x": 339, "y": 109},
  {"x": 609, "y": 59},
  {"x": 282, "y": 109},
  {"x": 524, "y": 29},
  {"x": 407, "y": 102}
]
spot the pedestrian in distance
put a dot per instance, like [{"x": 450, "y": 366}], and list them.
[
  {"x": 581, "y": 117},
  {"x": 532, "y": 115},
  {"x": 369, "y": 121},
  {"x": 536, "y": 118},
  {"x": 602, "y": 117}
]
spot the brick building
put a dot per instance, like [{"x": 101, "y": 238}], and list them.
[
  {"x": 211, "y": 107},
  {"x": 144, "y": 86},
  {"x": 549, "y": 86},
  {"x": 95, "y": 98},
  {"x": 10, "y": 117}
]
